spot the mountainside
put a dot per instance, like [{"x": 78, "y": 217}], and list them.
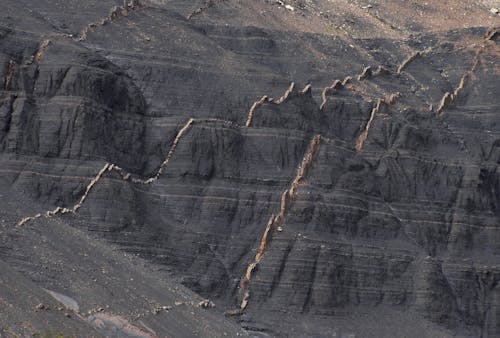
[{"x": 249, "y": 167}]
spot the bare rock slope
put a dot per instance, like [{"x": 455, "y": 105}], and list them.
[{"x": 313, "y": 168}]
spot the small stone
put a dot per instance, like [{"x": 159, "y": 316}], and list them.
[
  {"x": 42, "y": 306},
  {"x": 290, "y": 8},
  {"x": 67, "y": 315},
  {"x": 494, "y": 10}
]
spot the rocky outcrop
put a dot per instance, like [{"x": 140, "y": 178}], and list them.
[
  {"x": 378, "y": 107},
  {"x": 450, "y": 97},
  {"x": 206, "y": 5},
  {"x": 275, "y": 221},
  {"x": 115, "y": 13},
  {"x": 333, "y": 209}
]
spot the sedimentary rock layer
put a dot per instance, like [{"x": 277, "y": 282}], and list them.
[{"x": 322, "y": 172}]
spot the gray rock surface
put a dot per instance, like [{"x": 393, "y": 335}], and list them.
[{"x": 327, "y": 171}]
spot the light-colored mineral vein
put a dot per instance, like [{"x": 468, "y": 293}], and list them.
[
  {"x": 380, "y": 103},
  {"x": 255, "y": 105},
  {"x": 115, "y": 13},
  {"x": 366, "y": 72},
  {"x": 412, "y": 57},
  {"x": 265, "y": 99},
  {"x": 108, "y": 167},
  {"x": 337, "y": 85},
  {"x": 450, "y": 97},
  {"x": 78, "y": 205},
  {"x": 287, "y": 93},
  {"x": 275, "y": 221},
  {"x": 42, "y": 48}
]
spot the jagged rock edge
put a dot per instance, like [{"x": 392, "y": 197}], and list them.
[
  {"x": 291, "y": 90},
  {"x": 275, "y": 221},
  {"x": 412, "y": 57},
  {"x": 450, "y": 97},
  {"x": 42, "y": 48},
  {"x": 378, "y": 107},
  {"x": 206, "y": 5},
  {"x": 337, "y": 85},
  {"x": 115, "y": 13},
  {"x": 108, "y": 167},
  {"x": 368, "y": 72}
]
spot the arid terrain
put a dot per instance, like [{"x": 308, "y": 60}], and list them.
[{"x": 290, "y": 168}]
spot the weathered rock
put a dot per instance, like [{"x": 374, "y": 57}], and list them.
[{"x": 167, "y": 129}]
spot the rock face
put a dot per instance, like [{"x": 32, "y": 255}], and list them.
[{"x": 331, "y": 170}]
